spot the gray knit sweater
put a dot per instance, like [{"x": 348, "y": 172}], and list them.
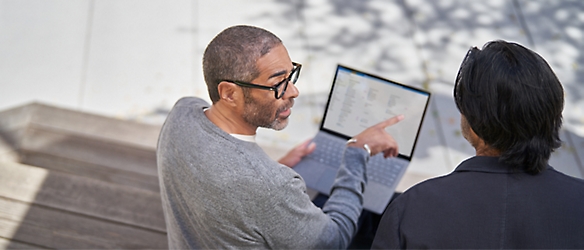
[{"x": 221, "y": 192}]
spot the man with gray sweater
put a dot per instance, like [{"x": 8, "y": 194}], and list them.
[{"x": 220, "y": 190}]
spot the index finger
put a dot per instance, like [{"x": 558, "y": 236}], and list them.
[{"x": 390, "y": 121}]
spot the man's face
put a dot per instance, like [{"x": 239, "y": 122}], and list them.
[{"x": 262, "y": 109}]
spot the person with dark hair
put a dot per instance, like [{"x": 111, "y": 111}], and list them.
[
  {"x": 220, "y": 190},
  {"x": 507, "y": 196}
]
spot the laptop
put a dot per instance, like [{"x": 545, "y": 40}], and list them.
[{"x": 358, "y": 100}]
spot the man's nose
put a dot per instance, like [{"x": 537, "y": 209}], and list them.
[{"x": 292, "y": 91}]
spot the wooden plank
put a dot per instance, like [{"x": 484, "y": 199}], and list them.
[
  {"x": 15, "y": 118},
  {"x": 10, "y": 139},
  {"x": 103, "y": 160},
  {"x": 82, "y": 195},
  {"x": 88, "y": 170},
  {"x": 42, "y": 135},
  {"x": 97, "y": 127},
  {"x": 9, "y": 244},
  {"x": 14, "y": 123},
  {"x": 90, "y": 150},
  {"x": 52, "y": 228}
]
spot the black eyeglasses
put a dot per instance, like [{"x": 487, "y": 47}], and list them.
[{"x": 279, "y": 88}]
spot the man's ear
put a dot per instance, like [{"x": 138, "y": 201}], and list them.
[{"x": 229, "y": 92}]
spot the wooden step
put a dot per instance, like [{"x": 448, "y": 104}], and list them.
[
  {"x": 99, "y": 127},
  {"x": 89, "y": 182},
  {"x": 82, "y": 195},
  {"x": 103, "y": 160},
  {"x": 84, "y": 212},
  {"x": 12, "y": 244},
  {"x": 108, "y": 149},
  {"x": 52, "y": 228}
]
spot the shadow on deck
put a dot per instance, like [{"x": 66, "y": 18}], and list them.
[{"x": 75, "y": 180}]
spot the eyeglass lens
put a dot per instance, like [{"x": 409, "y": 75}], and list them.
[{"x": 281, "y": 89}]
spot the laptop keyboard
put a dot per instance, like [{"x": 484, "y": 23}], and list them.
[
  {"x": 379, "y": 169},
  {"x": 384, "y": 171},
  {"x": 327, "y": 151}
]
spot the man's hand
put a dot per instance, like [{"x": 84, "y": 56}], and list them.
[
  {"x": 378, "y": 139},
  {"x": 296, "y": 154}
]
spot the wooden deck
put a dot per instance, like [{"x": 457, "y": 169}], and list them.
[{"x": 73, "y": 180}]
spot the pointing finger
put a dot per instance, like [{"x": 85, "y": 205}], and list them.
[{"x": 390, "y": 121}]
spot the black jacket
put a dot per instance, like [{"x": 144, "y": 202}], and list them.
[{"x": 485, "y": 204}]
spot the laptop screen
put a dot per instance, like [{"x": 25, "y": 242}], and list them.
[{"x": 359, "y": 100}]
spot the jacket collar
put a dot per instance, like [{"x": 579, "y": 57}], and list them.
[{"x": 487, "y": 164}]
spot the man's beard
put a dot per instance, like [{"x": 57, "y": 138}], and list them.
[{"x": 261, "y": 115}]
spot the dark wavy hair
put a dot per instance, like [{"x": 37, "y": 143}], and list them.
[
  {"x": 512, "y": 100},
  {"x": 233, "y": 53}
]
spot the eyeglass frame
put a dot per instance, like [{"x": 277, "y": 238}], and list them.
[{"x": 287, "y": 80}]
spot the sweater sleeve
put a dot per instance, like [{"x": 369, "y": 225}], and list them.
[
  {"x": 346, "y": 198},
  {"x": 294, "y": 221}
]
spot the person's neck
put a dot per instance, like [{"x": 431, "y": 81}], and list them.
[
  {"x": 485, "y": 150},
  {"x": 228, "y": 120}
]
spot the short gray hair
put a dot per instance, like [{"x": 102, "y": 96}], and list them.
[{"x": 233, "y": 54}]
